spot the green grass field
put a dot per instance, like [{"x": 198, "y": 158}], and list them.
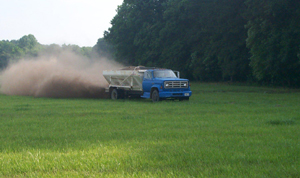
[{"x": 223, "y": 131}]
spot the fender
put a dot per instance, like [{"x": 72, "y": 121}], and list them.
[{"x": 157, "y": 86}]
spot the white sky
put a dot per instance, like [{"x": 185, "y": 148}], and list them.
[{"x": 80, "y": 22}]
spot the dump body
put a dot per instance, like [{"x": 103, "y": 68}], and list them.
[
  {"x": 154, "y": 83},
  {"x": 128, "y": 78}
]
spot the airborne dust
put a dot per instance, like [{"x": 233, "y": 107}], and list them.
[{"x": 60, "y": 76}]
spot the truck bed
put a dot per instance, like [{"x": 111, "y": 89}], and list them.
[{"x": 127, "y": 79}]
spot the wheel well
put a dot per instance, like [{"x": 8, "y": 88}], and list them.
[
  {"x": 154, "y": 88},
  {"x": 120, "y": 92},
  {"x": 111, "y": 89}
]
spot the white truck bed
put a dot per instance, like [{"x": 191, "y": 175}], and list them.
[{"x": 130, "y": 78}]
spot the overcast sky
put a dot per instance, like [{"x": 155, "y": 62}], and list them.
[{"x": 79, "y": 22}]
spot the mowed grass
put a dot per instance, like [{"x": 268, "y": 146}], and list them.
[{"x": 223, "y": 131}]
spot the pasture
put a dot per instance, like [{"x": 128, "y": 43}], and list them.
[{"x": 223, "y": 131}]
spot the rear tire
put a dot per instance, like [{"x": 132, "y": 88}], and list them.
[
  {"x": 155, "y": 96},
  {"x": 114, "y": 95}
]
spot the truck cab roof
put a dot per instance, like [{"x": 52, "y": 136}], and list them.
[{"x": 141, "y": 68}]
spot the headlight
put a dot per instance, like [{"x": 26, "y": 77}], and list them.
[
  {"x": 184, "y": 85},
  {"x": 167, "y": 85}
]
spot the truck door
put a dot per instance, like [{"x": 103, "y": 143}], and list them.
[{"x": 147, "y": 81}]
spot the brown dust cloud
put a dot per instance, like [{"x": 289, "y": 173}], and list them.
[{"x": 62, "y": 76}]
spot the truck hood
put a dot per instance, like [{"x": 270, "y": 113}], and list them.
[{"x": 171, "y": 79}]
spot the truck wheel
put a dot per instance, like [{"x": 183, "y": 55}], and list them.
[
  {"x": 155, "y": 96},
  {"x": 114, "y": 94}
]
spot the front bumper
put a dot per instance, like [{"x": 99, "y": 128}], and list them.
[{"x": 175, "y": 94}]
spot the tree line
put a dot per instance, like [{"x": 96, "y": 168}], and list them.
[
  {"x": 29, "y": 47},
  {"x": 210, "y": 40}
]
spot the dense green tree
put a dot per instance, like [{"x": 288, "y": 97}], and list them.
[
  {"x": 134, "y": 31},
  {"x": 122, "y": 33},
  {"x": 274, "y": 40},
  {"x": 103, "y": 49},
  {"x": 56, "y": 50},
  {"x": 27, "y": 42},
  {"x": 86, "y": 51},
  {"x": 197, "y": 37},
  {"x": 28, "y": 46},
  {"x": 8, "y": 51},
  {"x": 212, "y": 38}
]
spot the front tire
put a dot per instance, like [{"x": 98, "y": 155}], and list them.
[{"x": 155, "y": 96}]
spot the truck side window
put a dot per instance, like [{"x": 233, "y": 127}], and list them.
[
  {"x": 147, "y": 75},
  {"x": 150, "y": 75}
]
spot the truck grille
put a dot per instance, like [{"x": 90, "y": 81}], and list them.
[{"x": 176, "y": 84}]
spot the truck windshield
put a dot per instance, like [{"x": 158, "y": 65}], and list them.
[{"x": 164, "y": 74}]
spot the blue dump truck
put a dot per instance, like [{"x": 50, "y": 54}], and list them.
[{"x": 147, "y": 82}]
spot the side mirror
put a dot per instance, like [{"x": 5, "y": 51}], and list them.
[{"x": 177, "y": 74}]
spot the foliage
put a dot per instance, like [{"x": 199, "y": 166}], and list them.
[
  {"x": 8, "y": 50},
  {"x": 103, "y": 49},
  {"x": 274, "y": 40},
  {"x": 219, "y": 40},
  {"x": 223, "y": 131},
  {"x": 194, "y": 37},
  {"x": 15, "y": 49},
  {"x": 28, "y": 46},
  {"x": 134, "y": 30}
]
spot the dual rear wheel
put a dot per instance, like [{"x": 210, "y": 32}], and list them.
[{"x": 116, "y": 94}]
